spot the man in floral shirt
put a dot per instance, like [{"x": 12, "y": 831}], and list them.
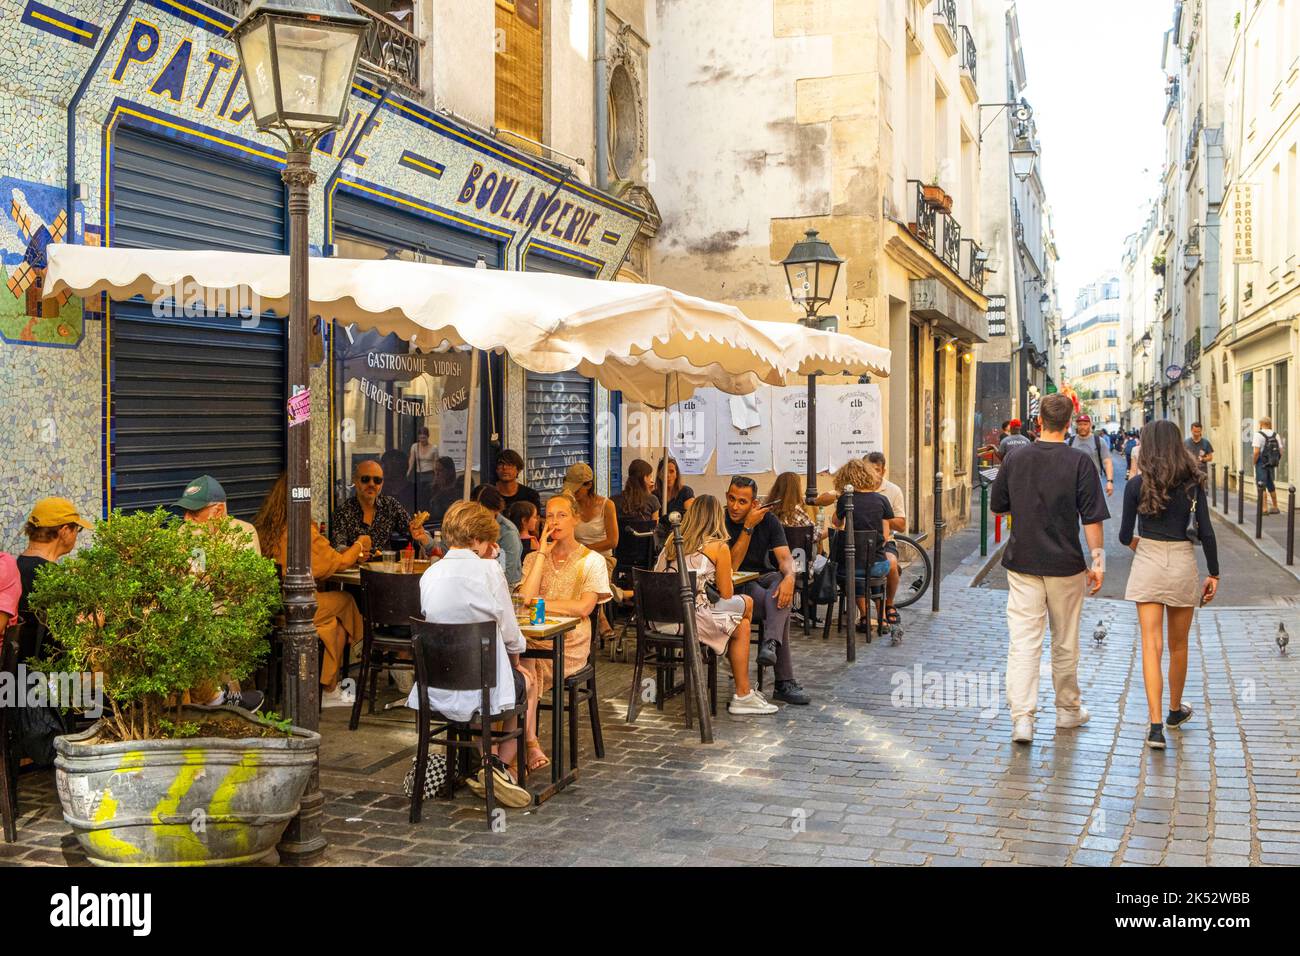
[{"x": 370, "y": 512}]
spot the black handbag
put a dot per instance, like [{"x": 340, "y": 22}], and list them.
[
  {"x": 824, "y": 587},
  {"x": 1193, "y": 526}
]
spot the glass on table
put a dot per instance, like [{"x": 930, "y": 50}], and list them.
[{"x": 390, "y": 561}]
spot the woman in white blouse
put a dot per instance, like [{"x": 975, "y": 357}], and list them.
[{"x": 468, "y": 586}]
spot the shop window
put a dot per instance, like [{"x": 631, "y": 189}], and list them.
[
  {"x": 1247, "y": 423},
  {"x": 1280, "y": 399}
]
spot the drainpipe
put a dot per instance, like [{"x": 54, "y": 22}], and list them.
[
  {"x": 71, "y": 176},
  {"x": 602, "y": 101}
]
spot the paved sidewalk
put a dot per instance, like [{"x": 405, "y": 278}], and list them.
[
  {"x": 869, "y": 773},
  {"x": 1272, "y": 542}
]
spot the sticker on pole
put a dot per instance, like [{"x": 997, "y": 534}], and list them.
[{"x": 300, "y": 407}]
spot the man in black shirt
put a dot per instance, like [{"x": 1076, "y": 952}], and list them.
[
  {"x": 1048, "y": 488},
  {"x": 1012, "y": 441},
  {"x": 755, "y": 532}
]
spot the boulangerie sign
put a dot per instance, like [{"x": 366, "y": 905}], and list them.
[
  {"x": 854, "y": 422},
  {"x": 745, "y": 451},
  {"x": 790, "y": 429}
]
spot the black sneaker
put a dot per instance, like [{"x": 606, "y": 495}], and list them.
[
  {"x": 250, "y": 700},
  {"x": 767, "y": 653},
  {"x": 791, "y": 693},
  {"x": 1179, "y": 717},
  {"x": 1156, "y": 737}
]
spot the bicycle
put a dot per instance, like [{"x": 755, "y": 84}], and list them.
[{"x": 915, "y": 570}]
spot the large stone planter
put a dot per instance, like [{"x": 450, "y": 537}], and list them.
[{"x": 203, "y": 801}]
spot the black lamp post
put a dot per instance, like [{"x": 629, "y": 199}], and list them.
[
  {"x": 811, "y": 270},
  {"x": 299, "y": 58}
]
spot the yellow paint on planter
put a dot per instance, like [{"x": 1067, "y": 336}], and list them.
[
  {"x": 185, "y": 843},
  {"x": 224, "y": 797},
  {"x": 108, "y": 845}
]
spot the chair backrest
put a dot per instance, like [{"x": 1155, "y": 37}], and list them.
[
  {"x": 800, "y": 539},
  {"x": 454, "y": 656},
  {"x": 866, "y": 548},
  {"x": 659, "y": 597},
  {"x": 390, "y": 599},
  {"x": 636, "y": 543}
]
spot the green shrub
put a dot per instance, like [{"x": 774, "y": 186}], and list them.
[{"x": 158, "y": 606}]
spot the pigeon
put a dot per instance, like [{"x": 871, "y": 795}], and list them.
[
  {"x": 1283, "y": 638},
  {"x": 1099, "y": 635}
]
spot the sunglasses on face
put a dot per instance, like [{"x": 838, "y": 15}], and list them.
[{"x": 370, "y": 480}]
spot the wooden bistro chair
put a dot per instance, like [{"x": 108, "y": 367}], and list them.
[
  {"x": 801, "y": 540},
  {"x": 868, "y": 547},
  {"x": 388, "y": 602},
  {"x": 459, "y": 657},
  {"x": 580, "y": 688},
  {"x": 661, "y": 641},
  {"x": 8, "y": 759},
  {"x": 636, "y": 549}
]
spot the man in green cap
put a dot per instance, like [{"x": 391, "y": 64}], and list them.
[{"x": 204, "y": 501}]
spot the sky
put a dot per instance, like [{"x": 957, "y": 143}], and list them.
[{"x": 1098, "y": 94}]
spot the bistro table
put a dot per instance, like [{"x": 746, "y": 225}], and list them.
[
  {"x": 553, "y": 630},
  {"x": 740, "y": 578}
]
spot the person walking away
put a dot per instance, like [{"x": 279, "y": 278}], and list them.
[
  {"x": 1013, "y": 440},
  {"x": 1048, "y": 489},
  {"x": 1267, "y": 447},
  {"x": 1129, "y": 447},
  {"x": 1169, "y": 505},
  {"x": 722, "y": 617},
  {"x": 1090, "y": 442},
  {"x": 1200, "y": 446}
]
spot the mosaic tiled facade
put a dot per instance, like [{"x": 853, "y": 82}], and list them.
[{"x": 168, "y": 69}]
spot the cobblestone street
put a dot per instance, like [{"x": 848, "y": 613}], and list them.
[{"x": 855, "y": 779}]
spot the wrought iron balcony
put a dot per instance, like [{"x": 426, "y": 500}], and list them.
[
  {"x": 1193, "y": 140},
  {"x": 388, "y": 48},
  {"x": 1171, "y": 95},
  {"x": 973, "y": 266},
  {"x": 1192, "y": 350},
  {"x": 921, "y": 218},
  {"x": 950, "y": 242},
  {"x": 945, "y": 22},
  {"x": 968, "y": 52}
]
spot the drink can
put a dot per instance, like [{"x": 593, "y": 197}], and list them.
[{"x": 539, "y": 612}]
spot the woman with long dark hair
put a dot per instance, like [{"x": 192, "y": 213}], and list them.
[
  {"x": 679, "y": 496},
  {"x": 636, "y": 502},
  {"x": 1168, "y": 503}
]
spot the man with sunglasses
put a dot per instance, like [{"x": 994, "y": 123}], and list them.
[{"x": 380, "y": 516}]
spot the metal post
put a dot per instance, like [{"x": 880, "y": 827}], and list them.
[
  {"x": 984, "y": 519},
  {"x": 302, "y": 841},
  {"x": 938, "y": 538},
  {"x": 1290, "y": 525},
  {"x": 810, "y": 485},
  {"x": 1241, "y": 496},
  {"x": 850, "y": 574},
  {"x": 1259, "y": 513},
  {"x": 1214, "y": 487},
  {"x": 1227, "y": 490},
  {"x": 690, "y": 643}
]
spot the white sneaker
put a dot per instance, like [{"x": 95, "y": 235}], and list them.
[
  {"x": 341, "y": 696},
  {"x": 1065, "y": 722},
  {"x": 1022, "y": 730},
  {"x": 751, "y": 704}
]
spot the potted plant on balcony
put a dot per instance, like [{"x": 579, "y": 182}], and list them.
[
  {"x": 936, "y": 196},
  {"x": 1158, "y": 265},
  {"x": 159, "y": 606}
]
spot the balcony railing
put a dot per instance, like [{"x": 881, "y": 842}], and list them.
[
  {"x": 388, "y": 48},
  {"x": 973, "y": 266},
  {"x": 945, "y": 14},
  {"x": 940, "y": 232},
  {"x": 950, "y": 242},
  {"x": 1193, "y": 139},
  {"x": 968, "y": 52},
  {"x": 1192, "y": 350},
  {"x": 1171, "y": 95},
  {"x": 921, "y": 219}
]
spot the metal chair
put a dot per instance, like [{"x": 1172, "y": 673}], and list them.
[
  {"x": 459, "y": 657},
  {"x": 661, "y": 641},
  {"x": 801, "y": 541},
  {"x": 868, "y": 548},
  {"x": 637, "y": 548},
  {"x": 580, "y": 688},
  {"x": 8, "y": 760},
  {"x": 388, "y": 602}
]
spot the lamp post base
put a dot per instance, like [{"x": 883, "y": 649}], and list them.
[{"x": 302, "y": 843}]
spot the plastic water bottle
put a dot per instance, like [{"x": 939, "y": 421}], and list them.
[{"x": 539, "y": 612}]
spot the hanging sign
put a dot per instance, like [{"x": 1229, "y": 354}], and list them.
[
  {"x": 744, "y": 433},
  {"x": 790, "y": 429},
  {"x": 1243, "y": 223}
]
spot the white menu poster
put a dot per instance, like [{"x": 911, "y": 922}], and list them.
[
  {"x": 853, "y": 416},
  {"x": 790, "y": 427},
  {"x": 453, "y": 430},
  {"x": 692, "y": 431},
  {"x": 744, "y": 450}
]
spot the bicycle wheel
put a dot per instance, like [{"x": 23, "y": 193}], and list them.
[{"x": 914, "y": 571}]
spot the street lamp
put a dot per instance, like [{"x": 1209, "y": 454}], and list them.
[
  {"x": 299, "y": 58},
  {"x": 1065, "y": 346},
  {"x": 811, "y": 270},
  {"x": 1023, "y": 157},
  {"x": 1146, "y": 344}
]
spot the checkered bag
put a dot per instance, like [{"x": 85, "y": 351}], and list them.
[{"x": 435, "y": 776}]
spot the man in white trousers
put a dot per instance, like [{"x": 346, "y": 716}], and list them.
[{"x": 1048, "y": 488}]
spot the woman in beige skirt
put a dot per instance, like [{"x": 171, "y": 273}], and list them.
[{"x": 1167, "y": 502}]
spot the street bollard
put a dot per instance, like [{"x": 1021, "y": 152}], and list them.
[
  {"x": 1227, "y": 491},
  {"x": 1290, "y": 526},
  {"x": 850, "y": 575},
  {"x": 1214, "y": 487},
  {"x": 1259, "y": 513},
  {"x": 1241, "y": 496},
  {"x": 984, "y": 520},
  {"x": 997, "y": 529},
  {"x": 938, "y": 537}
]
